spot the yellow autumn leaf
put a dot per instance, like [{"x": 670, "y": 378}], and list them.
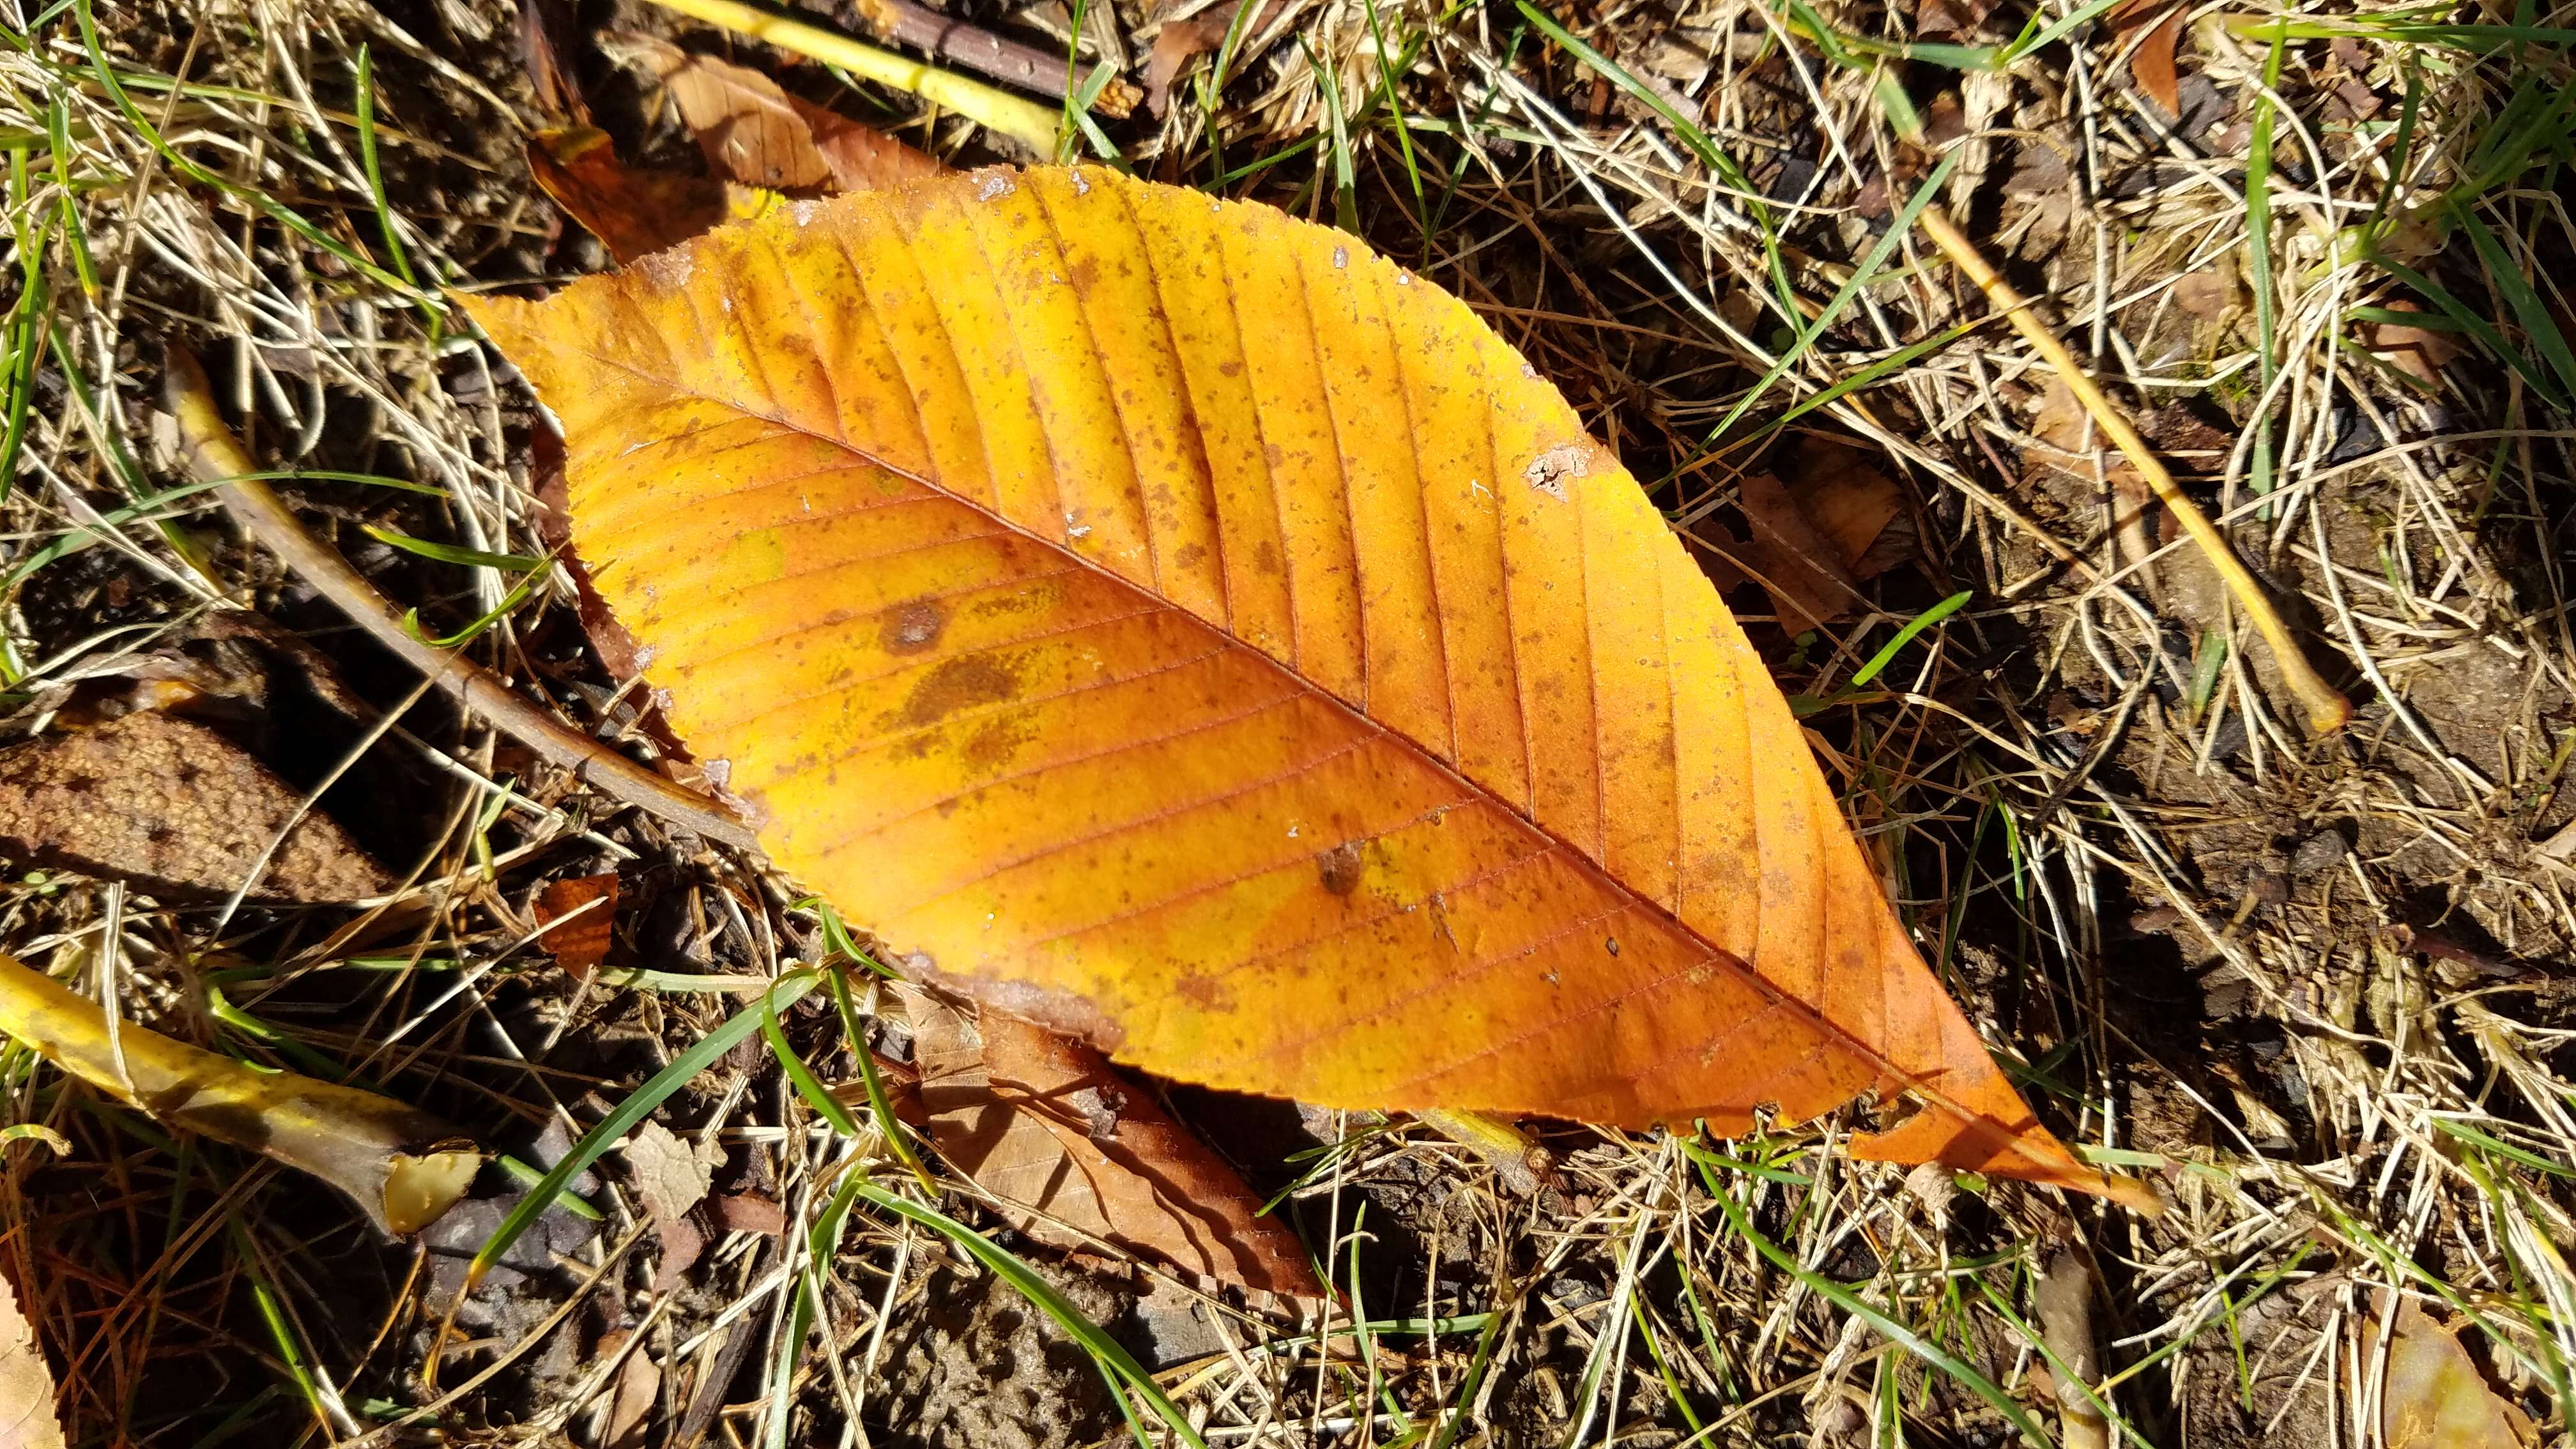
[{"x": 1168, "y": 621}]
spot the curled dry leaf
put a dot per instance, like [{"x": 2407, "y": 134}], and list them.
[
  {"x": 403, "y": 1167},
  {"x": 2419, "y": 352},
  {"x": 633, "y": 213},
  {"x": 2435, "y": 1398},
  {"x": 1164, "y": 619},
  {"x": 2151, "y": 64},
  {"x": 758, "y": 135},
  {"x": 178, "y": 809},
  {"x": 26, "y": 1384},
  {"x": 1041, "y": 1122},
  {"x": 1854, "y": 505},
  {"x": 580, "y": 942},
  {"x": 1801, "y": 568}
]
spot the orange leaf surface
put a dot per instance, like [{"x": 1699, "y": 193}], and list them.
[
  {"x": 633, "y": 212},
  {"x": 1167, "y": 621},
  {"x": 1042, "y": 1123},
  {"x": 581, "y": 942}
]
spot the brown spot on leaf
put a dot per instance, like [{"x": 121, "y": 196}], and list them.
[
  {"x": 1200, "y": 989},
  {"x": 913, "y": 628},
  {"x": 956, "y": 684},
  {"x": 993, "y": 744},
  {"x": 1339, "y": 868}
]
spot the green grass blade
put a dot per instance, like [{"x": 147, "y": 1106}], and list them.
[
  {"x": 515, "y": 563},
  {"x": 1913, "y": 628},
  {"x": 825, "y": 1105},
  {"x": 2476, "y": 326},
  {"x": 612, "y": 1129},
  {"x": 1895, "y": 1332},
  {"x": 1861, "y": 276},
  {"x": 2528, "y": 309},
  {"x": 879, "y": 1106},
  {"x": 1103, "y": 1349},
  {"x": 267, "y": 205}
]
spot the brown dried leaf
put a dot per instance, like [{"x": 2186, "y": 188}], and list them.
[
  {"x": 1042, "y": 1121},
  {"x": 671, "y": 1176},
  {"x": 1950, "y": 17},
  {"x": 2151, "y": 65},
  {"x": 26, "y": 1383},
  {"x": 748, "y": 1212},
  {"x": 2208, "y": 294},
  {"x": 2068, "y": 443},
  {"x": 633, "y": 213},
  {"x": 1852, "y": 505},
  {"x": 2435, "y": 1398},
  {"x": 639, "y": 1384},
  {"x": 177, "y": 809},
  {"x": 2418, "y": 352},
  {"x": 759, "y": 135},
  {"x": 1175, "y": 46},
  {"x": 1800, "y": 566},
  {"x": 1182, "y": 41},
  {"x": 580, "y": 943}
]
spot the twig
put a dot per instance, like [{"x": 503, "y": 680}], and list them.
[
  {"x": 214, "y": 455},
  {"x": 2326, "y": 707},
  {"x": 948, "y": 38},
  {"x": 1021, "y": 120}
]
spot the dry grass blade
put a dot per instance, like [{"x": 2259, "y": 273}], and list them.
[{"x": 401, "y": 1166}]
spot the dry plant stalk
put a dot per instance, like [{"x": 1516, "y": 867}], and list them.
[
  {"x": 214, "y": 455},
  {"x": 1024, "y": 121},
  {"x": 402, "y": 1166},
  {"x": 2326, "y": 707},
  {"x": 2063, "y": 1300}
]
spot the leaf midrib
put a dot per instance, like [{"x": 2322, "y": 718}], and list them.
[{"x": 1831, "y": 1030}]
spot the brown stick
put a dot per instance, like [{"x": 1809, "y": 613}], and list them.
[
  {"x": 215, "y": 455},
  {"x": 950, "y": 39},
  {"x": 2326, "y": 707}
]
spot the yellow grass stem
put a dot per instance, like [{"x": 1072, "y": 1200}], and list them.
[
  {"x": 1025, "y": 121},
  {"x": 2326, "y": 707},
  {"x": 401, "y": 1165}
]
